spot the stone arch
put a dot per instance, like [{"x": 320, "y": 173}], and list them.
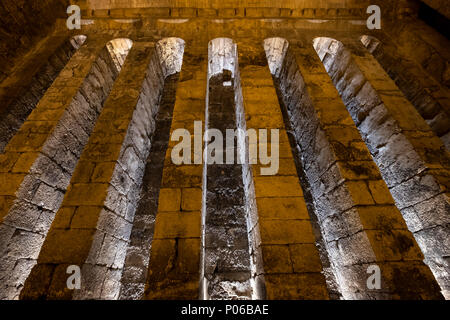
[
  {"x": 421, "y": 90},
  {"x": 400, "y": 143},
  {"x": 15, "y": 110},
  {"x": 52, "y": 140}
]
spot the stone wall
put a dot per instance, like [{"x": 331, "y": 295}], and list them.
[
  {"x": 359, "y": 222},
  {"x": 138, "y": 253},
  {"x": 173, "y": 271},
  {"x": 40, "y": 159},
  {"x": 98, "y": 210},
  {"x": 225, "y": 244},
  {"x": 419, "y": 88}
]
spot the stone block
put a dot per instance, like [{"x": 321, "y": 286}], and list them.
[
  {"x": 380, "y": 192},
  {"x": 25, "y": 162},
  {"x": 282, "y": 208},
  {"x": 9, "y": 183},
  {"x": 85, "y": 217},
  {"x": 169, "y": 200},
  {"x": 305, "y": 258},
  {"x": 279, "y": 232},
  {"x": 296, "y": 287},
  {"x": 75, "y": 250},
  {"x": 170, "y": 225},
  {"x": 359, "y": 193},
  {"x": 92, "y": 194},
  {"x": 8, "y": 160}
]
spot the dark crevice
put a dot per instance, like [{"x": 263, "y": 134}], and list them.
[
  {"x": 13, "y": 115},
  {"x": 434, "y": 19}
]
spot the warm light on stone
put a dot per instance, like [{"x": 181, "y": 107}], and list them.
[{"x": 318, "y": 163}]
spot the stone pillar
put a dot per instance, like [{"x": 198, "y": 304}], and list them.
[
  {"x": 359, "y": 221},
  {"x": 412, "y": 159},
  {"x": 22, "y": 90},
  {"x": 430, "y": 98},
  {"x": 37, "y": 163},
  {"x": 225, "y": 248},
  {"x": 135, "y": 268},
  {"x": 95, "y": 219},
  {"x": 286, "y": 260},
  {"x": 173, "y": 271}
]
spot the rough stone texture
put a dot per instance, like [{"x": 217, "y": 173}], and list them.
[
  {"x": 423, "y": 45},
  {"x": 412, "y": 160},
  {"x": 360, "y": 228},
  {"x": 225, "y": 247},
  {"x": 18, "y": 102},
  {"x": 428, "y": 96},
  {"x": 138, "y": 253},
  {"x": 282, "y": 239},
  {"x": 38, "y": 162},
  {"x": 173, "y": 271},
  {"x": 98, "y": 209},
  {"x": 345, "y": 190},
  {"x": 23, "y": 24}
]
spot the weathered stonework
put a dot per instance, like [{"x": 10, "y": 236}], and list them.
[
  {"x": 225, "y": 252},
  {"x": 413, "y": 162},
  {"x": 134, "y": 273},
  {"x": 38, "y": 162},
  {"x": 173, "y": 271},
  {"x": 425, "y": 93},
  {"x": 87, "y": 179},
  {"x": 99, "y": 207},
  {"x": 21, "y": 96},
  {"x": 359, "y": 221},
  {"x": 287, "y": 262}
]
